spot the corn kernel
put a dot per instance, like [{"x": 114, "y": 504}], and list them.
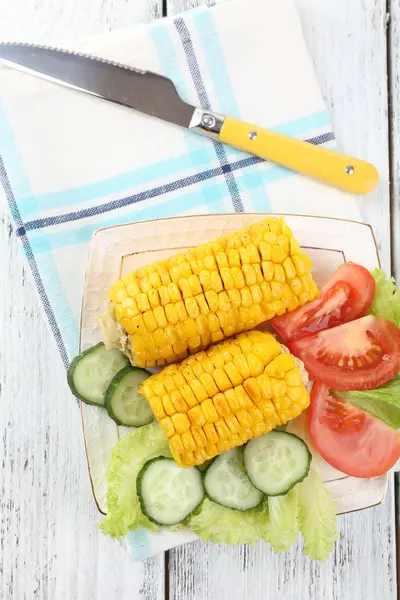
[
  {"x": 188, "y": 395},
  {"x": 238, "y": 277},
  {"x": 279, "y": 387},
  {"x": 268, "y": 270},
  {"x": 175, "y": 443},
  {"x": 173, "y": 292},
  {"x": 168, "y": 426},
  {"x": 221, "y": 380},
  {"x": 199, "y": 436},
  {"x": 202, "y": 304},
  {"x": 212, "y": 300},
  {"x": 210, "y": 432}
]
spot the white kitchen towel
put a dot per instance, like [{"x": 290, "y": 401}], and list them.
[{"x": 71, "y": 163}]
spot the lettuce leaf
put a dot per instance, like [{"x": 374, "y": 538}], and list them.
[
  {"x": 283, "y": 527},
  {"x": 221, "y": 525},
  {"x": 383, "y": 402},
  {"x": 386, "y": 303},
  {"x": 316, "y": 517},
  {"x": 128, "y": 457}
]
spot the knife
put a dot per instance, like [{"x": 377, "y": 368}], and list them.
[{"x": 156, "y": 95}]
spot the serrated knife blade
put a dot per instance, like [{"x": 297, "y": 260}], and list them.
[{"x": 155, "y": 95}]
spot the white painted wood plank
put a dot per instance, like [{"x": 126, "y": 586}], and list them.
[
  {"x": 58, "y": 21},
  {"x": 348, "y": 44},
  {"x": 395, "y": 131},
  {"x": 50, "y": 545}
]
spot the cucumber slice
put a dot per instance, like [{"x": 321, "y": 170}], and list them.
[
  {"x": 276, "y": 461},
  {"x": 227, "y": 483},
  {"x": 167, "y": 493},
  {"x": 90, "y": 373},
  {"x": 123, "y": 402}
]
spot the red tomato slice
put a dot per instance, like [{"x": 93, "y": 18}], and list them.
[
  {"x": 350, "y": 439},
  {"x": 346, "y": 296},
  {"x": 360, "y": 355}
]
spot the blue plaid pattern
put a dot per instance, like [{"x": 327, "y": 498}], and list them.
[{"x": 203, "y": 176}]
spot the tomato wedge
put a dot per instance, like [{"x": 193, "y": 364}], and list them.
[
  {"x": 346, "y": 295},
  {"x": 360, "y": 355},
  {"x": 348, "y": 438}
]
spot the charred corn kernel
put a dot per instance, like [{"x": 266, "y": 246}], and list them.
[{"x": 227, "y": 279}]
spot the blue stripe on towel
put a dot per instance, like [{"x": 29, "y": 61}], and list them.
[{"x": 186, "y": 40}]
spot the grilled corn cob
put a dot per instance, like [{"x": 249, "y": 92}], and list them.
[
  {"x": 189, "y": 301},
  {"x": 218, "y": 399}
]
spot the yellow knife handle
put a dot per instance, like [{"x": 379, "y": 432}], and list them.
[{"x": 342, "y": 171}]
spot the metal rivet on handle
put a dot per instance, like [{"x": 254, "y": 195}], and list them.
[
  {"x": 208, "y": 121},
  {"x": 252, "y": 135},
  {"x": 349, "y": 169}
]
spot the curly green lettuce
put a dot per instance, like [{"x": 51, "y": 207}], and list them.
[
  {"x": 386, "y": 302},
  {"x": 128, "y": 457},
  {"x": 316, "y": 517},
  {"x": 215, "y": 523}
]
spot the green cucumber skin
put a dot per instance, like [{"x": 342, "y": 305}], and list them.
[
  {"x": 110, "y": 392},
  {"x": 142, "y": 503},
  {"x": 296, "y": 482},
  {"x": 204, "y": 473},
  {"x": 71, "y": 371}
]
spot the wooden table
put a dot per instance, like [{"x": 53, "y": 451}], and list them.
[{"x": 50, "y": 547}]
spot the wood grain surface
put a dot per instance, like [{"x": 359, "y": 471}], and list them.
[{"x": 50, "y": 548}]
